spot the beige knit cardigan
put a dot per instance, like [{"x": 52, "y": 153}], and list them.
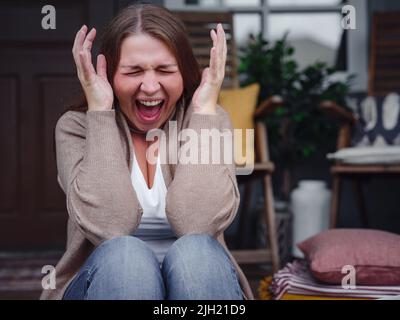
[{"x": 94, "y": 162}]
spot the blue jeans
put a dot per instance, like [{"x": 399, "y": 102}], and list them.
[{"x": 195, "y": 267}]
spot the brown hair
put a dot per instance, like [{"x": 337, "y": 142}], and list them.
[{"x": 159, "y": 23}]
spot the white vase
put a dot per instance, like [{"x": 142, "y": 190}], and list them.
[{"x": 309, "y": 203}]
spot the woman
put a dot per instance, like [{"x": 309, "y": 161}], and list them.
[{"x": 139, "y": 229}]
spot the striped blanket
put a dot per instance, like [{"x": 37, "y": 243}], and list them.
[{"x": 296, "y": 279}]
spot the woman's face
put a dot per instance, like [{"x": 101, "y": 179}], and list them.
[{"x": 147, "y": 81}]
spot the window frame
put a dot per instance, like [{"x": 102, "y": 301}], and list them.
[{"x": 357, "y": 59}]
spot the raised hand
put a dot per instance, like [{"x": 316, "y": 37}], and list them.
[
  {"x": 98, "y": 91},
  {"x": 206, "y": 96}
]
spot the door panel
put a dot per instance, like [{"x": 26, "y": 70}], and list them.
[{"x": 37, "y": 80}]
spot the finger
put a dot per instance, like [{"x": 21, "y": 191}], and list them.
[
  {"x": 86, "y": 55},
  {"x": 224, "y": 41},
  {"x": 220, "y": 49},
  {"x": 224, "y": 51},
  {"x": 101, "y": 66},
  {"x": 220, "y": 36},
  {"x": 78, "y": 42},
  {"x": 213, "y": 37},
  {"x": 79, "y": 38},
  {"x": 214, "y": 40},
  {"x": 87, "y": 68},
  {"x": 87, "y": 45},
  {"x": 213, "y": 63}
]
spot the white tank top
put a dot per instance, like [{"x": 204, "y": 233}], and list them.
[
  {"x": 152, "y": 200},
  {"x": 154, "y": 228}
]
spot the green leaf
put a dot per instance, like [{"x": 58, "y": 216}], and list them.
[{"x": 296, "y": 129}]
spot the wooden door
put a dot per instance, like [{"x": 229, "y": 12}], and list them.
[{"x": 37, "y": 79}]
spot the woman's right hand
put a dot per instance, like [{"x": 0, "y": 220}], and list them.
[{"x": 98, "y": 91}]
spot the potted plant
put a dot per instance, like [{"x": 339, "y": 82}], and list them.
[{"x": 298, "y": 128}]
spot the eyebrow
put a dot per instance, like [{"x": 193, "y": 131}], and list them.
[{"x": 162, "y": 66}]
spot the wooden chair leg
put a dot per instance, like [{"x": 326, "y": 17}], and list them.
[
  {"x": 244, "y": 214},
  {"x": 336, "y": 186},
  {"x": 270, "y": 220},
  {"x": 357, "y": 185}
]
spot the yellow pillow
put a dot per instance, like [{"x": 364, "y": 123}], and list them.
[{"x": 240, "y": 104}]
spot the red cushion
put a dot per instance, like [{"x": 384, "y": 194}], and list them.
[{"x": 374, "y": 254}]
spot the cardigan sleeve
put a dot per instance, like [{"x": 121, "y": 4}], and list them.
[
  {"x": 94, "y": 175},
  {"x": 204, "y": 198}
]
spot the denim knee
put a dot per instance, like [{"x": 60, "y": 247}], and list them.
[
  {"x": 123, "y": 250},
  {"x": 123, "y": 268},
  {"x": 195, "y": 246},
  {"x": 198, "y": 267}
]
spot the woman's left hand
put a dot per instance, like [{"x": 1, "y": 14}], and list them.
[{"x": 206, "y": 96}]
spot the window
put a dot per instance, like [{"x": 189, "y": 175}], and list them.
[
  {"x": 315, "y": 36},
  {"x": 247, "y": 13},
  {"x": 228, "y": 2},
  {"x": 245, "y": 24},
  {"x": 314, "y": 25},
  {"x": 303, "y": 2},
  {"x": 313, "y": 28}
]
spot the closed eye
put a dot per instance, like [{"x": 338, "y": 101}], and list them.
[{"x": 132, "y": 73}]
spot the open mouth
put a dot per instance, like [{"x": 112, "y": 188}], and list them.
[{"x": 149, "y": 110}]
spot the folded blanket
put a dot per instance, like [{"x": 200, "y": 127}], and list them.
[{"x": 296, "y": 279}]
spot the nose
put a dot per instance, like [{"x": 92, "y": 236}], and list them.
[{"x": 150, "y": 83}]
